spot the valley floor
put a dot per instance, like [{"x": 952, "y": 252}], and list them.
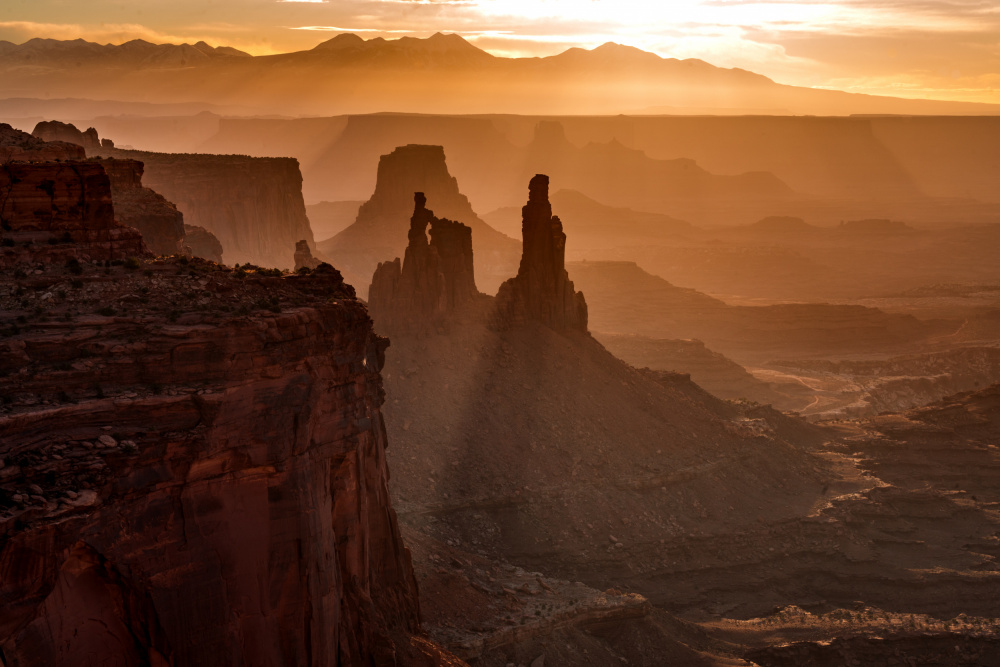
[{"x": 893, "y": 560}]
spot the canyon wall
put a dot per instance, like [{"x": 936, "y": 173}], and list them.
[
  {"x": 54, "y": 211},
  {"x": 253, "y": 206},
  {"x": 192, "y": 458},
  {"x": 158, "y": 220}
]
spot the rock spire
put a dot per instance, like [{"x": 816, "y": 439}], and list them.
[
  {"x": 542, "y": 290},
  {"x": 434, "y": 280}
]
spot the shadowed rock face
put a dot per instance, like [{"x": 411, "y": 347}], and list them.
[
  {"x": 253, "y": 206},
  {"x": 542, "y": 290},
  {"x": 202, "y": 243},
  {"x": 187, "y": 487},
  {"x": 54, "y": 130},
  {"x": 435, "y": 279},
  {"x": 378, "y": 231},
  {"x": 158, "y": 220},
  {"x": 54, "y": 211}
]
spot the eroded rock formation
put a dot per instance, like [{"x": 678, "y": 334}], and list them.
[
  {"x": 434, "y": 280},
  {"x": 253, "y": 206},
  {"x": 379, "y": 229},
  {"x": 188, "y": 483},
  {"x": 55, "y": 211},
  {"x": 54, "y": 130},
  {"x": 542, "y": 290},
  {"x": 303, "y": 256},
  {"x": 158, "y": 220},
  {"x": 18, "y": 145},
  {"x": 200, "y": 242}
]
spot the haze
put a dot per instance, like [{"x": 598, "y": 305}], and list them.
[{"x": 476, "y": 333}]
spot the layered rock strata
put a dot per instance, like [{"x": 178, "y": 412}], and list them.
[
  {"x": 435, "y": 279},
  {"x": 542, "y": 290},
  {"x": 253, "y": 206},
  {"x": 192, "y": 458},
  {"x": 158, "y": 220},
  {"x": 55, "y": 211}
]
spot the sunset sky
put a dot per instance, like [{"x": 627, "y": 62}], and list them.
[{"x": 908, "y": 48}]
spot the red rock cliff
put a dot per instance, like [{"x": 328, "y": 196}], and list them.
[
  {"x": 199, "y": 242},
  {"x": 158, "y": 220},
  {"x": 50, "y": 211},
  {"x": 192, "y": 461},
  {"x": 253, "y": 206}
]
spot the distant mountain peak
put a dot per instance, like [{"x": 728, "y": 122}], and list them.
[
  {"x": 342, "y": 41},
  {"x": 615, "y": 47},
  {"x": 438, "y": 40}
]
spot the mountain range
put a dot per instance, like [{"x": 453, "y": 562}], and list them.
[{"x": 439, "y": 74}]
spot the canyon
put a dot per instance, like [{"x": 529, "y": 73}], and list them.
[
  {"x": 193, "y": 457},
  {"x": 253, "y": 207},
  {"x": 704, "y": 412}
]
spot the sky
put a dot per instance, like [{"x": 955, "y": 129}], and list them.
[{"x": 937, "y": 49}]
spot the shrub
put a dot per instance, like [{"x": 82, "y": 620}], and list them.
[{"x": 131, "y": 263}]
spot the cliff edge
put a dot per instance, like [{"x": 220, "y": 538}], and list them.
[{"x": 192, "y": 458}]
